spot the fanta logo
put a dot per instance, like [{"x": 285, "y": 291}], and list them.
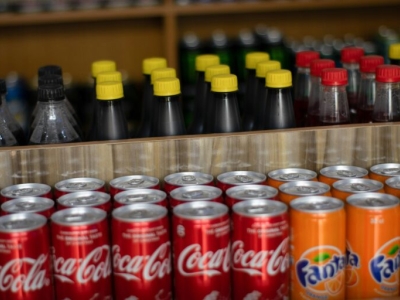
[
  {"x": 386, "y": 262},
  {"x": 352, "y": 259}
]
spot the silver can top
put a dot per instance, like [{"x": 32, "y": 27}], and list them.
[
  {"x": 189, "y": 178},
  {"x": 252, "y": 191},
  {"x": 260, "y": 208},
  {"x": 79, "y": 184},
  {"x": 140, "y": 212},
  {"x": 25, "y": 189},
  {"x": 241, "y": 177},
  {"x": 316, "y": 204},
  {"x": 373, "y": 201},
  {"x": 199, "y": 210},
  {"x": 358, "y": 185},
  {"x": 78, "y": 216},
  {"x": 292, "y": 174},
  {"x": 140, "y": 196},
  {"x": 304, "y": 188},
  {"x": 82, "y": 199},
  {"x": 196, "y": 193},
  {"x": 21, "y": 222},
  {"x": 134, "y": 182},
  {"x": 393, "y": 182},
  {"x": 27, "y": 204},
  {"x": 344, "y": 172},
  {"x": 388, "y": 169}
]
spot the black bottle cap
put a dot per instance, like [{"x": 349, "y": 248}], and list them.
[
  {"x": 50, "y": 79},
  {"x": 3, "y": 88},
  {"x": 51, "y": 92},
  {"x": 50, "y": 69}
]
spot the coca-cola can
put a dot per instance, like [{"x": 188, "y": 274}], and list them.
[
  {"x": 140, "y": 196},
  {"x": 125, "y": 183},
  {"x": 39, "y": 205},
  {"x": 77, "y": 185},
  {"x": 240, "y": 193},
  {"x": 25, "y": 257},
  {"x": 176, "y": 180},
  {"x": 141, "y": 252},
  {"x": 81, "y": 254},
  {"x": 192, "y": 193},
  {"x": 235, "y": 178},
  {"x": 201, "y": 247},
  {"x": 85, "y": 199},
  {"x": 260, "y": 250},
  {"x": 25, "y": 190}
]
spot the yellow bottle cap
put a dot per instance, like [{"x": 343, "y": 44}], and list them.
[
  {"x": 394, "y": 51},
  {"x": 109, "y": 76},
  {"x": 224, "y": 83},
  {"x": 152, "y": 63},
  {"x": 103, "y": 66},
  {"x": 167, "y": 87},
  {"x": 162, "y": 73},
  {"x": 111, "y": 90},
  {"x": 253, "y": 58},
  {"x": 279, "y": 79},
  {"x": 205, "y": 60},
  {"x": 266, "y": 66},
  {"x": 211, "y": 71}
]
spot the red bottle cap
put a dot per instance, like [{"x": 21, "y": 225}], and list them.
[
  {"x": 369, "y": 63},
  {"x": 304, "y": 58},
  {"x": 334, "y": 76},
  {"x": 351, "y": 54},
  {"x": 388, "y": 73},
  {"x": 318, "y": 65}
]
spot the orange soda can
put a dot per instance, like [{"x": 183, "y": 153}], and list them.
[
  {"x": 331, "y": 174},
  {"x": 373, "y": 246},
  {"x": 392, "y": 186},
  {"x": 295, "y": 189},
  {"x": 344, "y": 188},
  {"x": 382, "y": 172},
  {"x": 318, "y": 248},
  {"x": 281, "y": 176}
]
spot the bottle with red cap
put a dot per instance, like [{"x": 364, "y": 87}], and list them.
[
  {"x": 367, "y": 91},
  {"x": 387, "y": 102},
  {"x": 316, "y": 68},
  {"x": 334, "y": 107},
  {"x": 350, "y": 58},
  {"x": 302, "y": 85}
]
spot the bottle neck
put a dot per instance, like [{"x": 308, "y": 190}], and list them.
[{"x": 302, "y": 84}]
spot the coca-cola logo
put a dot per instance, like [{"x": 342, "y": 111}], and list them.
[
  {"x": 13, "y": 276},
  {"x": 156, "y": 265},
  {"x": 274, "y": 261},
  {"x": 192, "y": 261},
  {"x": 96, "y": 265}
]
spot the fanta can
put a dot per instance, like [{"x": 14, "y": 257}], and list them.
[
  {"x": 382, "y": 172},
  {"x": 318, "y": 245},
  {"x": 373, "y": 246}
]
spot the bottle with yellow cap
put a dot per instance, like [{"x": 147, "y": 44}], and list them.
[
  {"x": 225, "y": 117},
  {"x": 394, "y": 54},
  {"x": 168, "y": 120},
  {"x": 279, "y": 112}
]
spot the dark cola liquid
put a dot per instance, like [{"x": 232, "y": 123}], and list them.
[
  {"x": 73, "y": 141},
  {"x": 313, "y": 119},
  {"x": 353, "y": 100},
  {"x": 334, "y": 121},
  {"x": 381, "y": 118},
  {"x": 300, "y": 111},
  {"x": 364, "y": 115},
  {"x": 20, "y": 136}
]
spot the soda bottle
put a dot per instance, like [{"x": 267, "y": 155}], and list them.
[
  {"x": 387, "y": 102},
  {"x": 246, "y": 44},
  {"x": 271, "y": 39},
  {"x": 221, "y": 47},
  {"x": 7, "y": 138},
  {"x": 367, "y": 91},
  {"x": 316, "y": 68},
  {"x": 334, "y": 107},
  {"x": 189, "y": 49},
  {"x": 302, "y": 85},
  {"x": 394, "y": 54},
  {"x": 49, "y": 70},
  {"x": 279, "y": 112}
]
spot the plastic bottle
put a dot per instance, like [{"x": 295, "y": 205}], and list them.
[
  {"x": 279, "y": 111},
  {"x": 387, "y": 102},
  {"x": 367, "y": 90},
  {"x": 221, "y": 46},
  {"x": 334, "y": 107},
  {"x": 394, "y": 54}
]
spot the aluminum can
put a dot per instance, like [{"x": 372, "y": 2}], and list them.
[
  {"x": 141, "y": 252},
  {"x": 296, "y": 189},
  {"x": 329, "y": 175},
  {"x": 39, "y": 205},
  {"x": 130, "y": 182},
  {"x": 201, "y": 251},
  {"x": 344, "y": 188},
  {"x": 281, "y": 176},
  {"x": 25, "y": 190},
  {"x": 392, "y": 186},
  {"x": 235, "y": 178},
  {"x": 137, "y": 196},
  {"x": 25, "y": 260},
  {"x": 85, "y": 199},
  {"x": 81, "y": 254},
  {"x": 241, "y": 193},
  {"x": 192, "y": 193},
  {"x": 260, "y": 250},
  {"x": 382, "y": 172},
  {"x": 373, "y": 252},
  {"x": 318, "y": 248},
  {"x": 77, "y": 185},
  {"x": 181, "y": 179}
]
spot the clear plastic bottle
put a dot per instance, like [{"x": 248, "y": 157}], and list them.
[
  {"x": 394, "y": 54},
  {"x": 7, "y": 137}
]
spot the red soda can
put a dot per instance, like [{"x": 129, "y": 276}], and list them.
[
  {"x": 81, "y": 254},
  {"x": 192, "y": 193},
  {"x": 24, "y": 190},
  {"x": 141, "y": 252},
  {"x": 201, "y": 236},
  {"x": 85, "y": 199},
  {"x": 235, "y": 178},
  {"x": 176, "y": 180},
  {"x": 130, "y": 182},
  {"x": 241, "y": 193},
  {"x": 39, "y": 205},
  {"x": 260, "y": 250},
  {"x": 137, "y": 196},
  {"x": 25, "y": 257},
  {"x": 78, "y": 184}
]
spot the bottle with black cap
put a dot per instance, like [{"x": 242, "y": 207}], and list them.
[{"x": 53, "y": 126}]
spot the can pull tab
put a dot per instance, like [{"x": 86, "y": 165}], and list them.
[
  {"x": 243, "y": 179},
  {"x": 136, "y": 198},
  {"x": 359, "y": 187},
  {"x": 25, "y": 205},
  {"x": 22, "y": 192},
  {"x": 16, "y": 224},
  {"x": 73, "y": 218},
  {"x": 391, "y": 171},
  {"x": 255, "y": 193},
  {"x": 189, "y": 179},
  {"x": 307, "y": 190},
  {"x": 258, "y": 210},
  {"x": 375, "y": 202},
  {"x": 193, "y": 195},
  {"x": 344, "y": 173},
  {"x": 76, "y": 185},
  {"x": 289, "y": 176},
  {"x": 138, "y": 214},
  {"x": 205, "y": 211},
  {"x": 85, "y": 200},
  {"x": 135, "y": 181}
]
